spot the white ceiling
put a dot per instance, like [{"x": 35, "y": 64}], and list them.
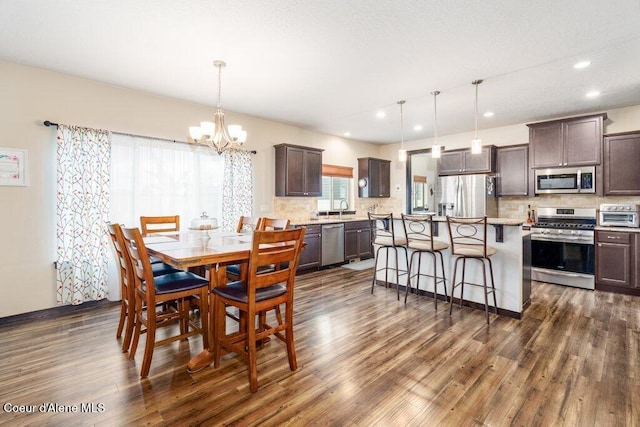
[{"x": 330, "y": 65}]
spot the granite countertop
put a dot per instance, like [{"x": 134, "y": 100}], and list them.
[
  {"x": 337, "y": 220},
  {"x": 330, "y": 220},
  {"x": 491, "y": 221}
]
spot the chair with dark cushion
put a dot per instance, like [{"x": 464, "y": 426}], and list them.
[
  {"x": 127, "y": 284},
  {"x": 264, "y": 290},
  {"x": 153, "y": 292},
  {"x": 159, "y": 224}
]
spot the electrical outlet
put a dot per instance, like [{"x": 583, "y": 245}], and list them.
[{"x": 521, "y": 209}]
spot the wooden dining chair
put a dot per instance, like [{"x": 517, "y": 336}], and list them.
[
  {"x": 127, "y": 283},
  {"x": 274, "y": 224},
  {"x": 248, "y": 223},
  {"x": 158, "y": 224},
  {"x": 152, "y": 293},
  {"x": 261, "y": 292}
]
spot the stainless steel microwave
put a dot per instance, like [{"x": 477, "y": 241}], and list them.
[{"x": 565, "y": 180}]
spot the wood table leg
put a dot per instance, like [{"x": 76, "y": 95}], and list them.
[{"x": 217, "y": 277}]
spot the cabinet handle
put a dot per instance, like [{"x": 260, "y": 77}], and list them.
[{"x": 613, "y": 237}]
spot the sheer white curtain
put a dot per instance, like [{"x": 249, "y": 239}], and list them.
[
  {"x": 157, "y": 177},
  {"x": 82, "y": 208}
]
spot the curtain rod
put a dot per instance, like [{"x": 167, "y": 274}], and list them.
[{"x": 48, "y": 123}]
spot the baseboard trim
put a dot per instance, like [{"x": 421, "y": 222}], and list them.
[{"x": 56, "y": 312}]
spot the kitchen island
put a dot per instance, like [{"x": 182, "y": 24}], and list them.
[{"x": 511, "y": 266}]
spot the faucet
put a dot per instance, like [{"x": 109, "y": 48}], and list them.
[{"x": 345, "y": 208}]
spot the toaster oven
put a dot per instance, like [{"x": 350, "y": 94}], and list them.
[{"x": 619, "y": 215}]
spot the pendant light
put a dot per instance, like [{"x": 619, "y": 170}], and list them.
[
  {"x": 402, "y": 153},
  {"x": 436, "y": 149},
  {"x": 476, "y": 143}
]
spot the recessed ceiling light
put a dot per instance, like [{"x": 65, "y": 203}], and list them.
[
  {"x": 593, "y": 94},
  {"x": 380, "y": 114},
  {"x": 488, "y": 114},
  {"x": 417, "y": 128},
  {"x": 347, "y": 134},
  {"x": 581, "y": 64}
]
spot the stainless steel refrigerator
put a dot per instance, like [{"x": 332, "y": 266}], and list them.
[{"x": 467, "y": 196}]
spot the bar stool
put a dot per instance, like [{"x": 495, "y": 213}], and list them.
[
  {"x": 468, "y": 237},
  {"x": 384, "y": 236},
  {"x": 419, "y": 232}
]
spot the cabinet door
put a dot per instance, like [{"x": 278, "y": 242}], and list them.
[
  {"x": 351, "y": 249},
  {"x": 513, "y": 171},
  {"x": 450, "y": 163},
  {"x": 364, "y": 243},
  {"x": 621, "y": 171},
  {"x": 384, "y": 174},
  {"x": 310, "y": 255},
  {"x": 613, "y": 264},
  {"x": 478, "y": 163},
  {"x": 582, "y": 141},
  {"x": 546, "y": 145},
  {"x": 312, "y": 173},
  {"x": 294, "y": 167}
]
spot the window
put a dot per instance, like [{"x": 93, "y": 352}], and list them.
[
  {"x": 337, "y": 182},
  {"x": 157, "y": 177}
]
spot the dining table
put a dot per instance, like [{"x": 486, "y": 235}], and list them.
[{"x": 196, "y": 250}]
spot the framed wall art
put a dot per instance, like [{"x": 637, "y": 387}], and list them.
[{"x": 13, "y": 166}]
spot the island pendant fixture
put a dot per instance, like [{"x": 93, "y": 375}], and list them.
[
  {"x": 402, "y": 153},
  {"x": 436, "y": 149},
  {"x": 476, "y": 143},
  {"x": 215, "y": 134}
]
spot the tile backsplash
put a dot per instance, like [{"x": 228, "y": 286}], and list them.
[
  {"x": 516, "y": 207},
  {"x": 303, "y": 208}
]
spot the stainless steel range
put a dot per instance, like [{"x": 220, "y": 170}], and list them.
[{"x": 562, "y": 247}]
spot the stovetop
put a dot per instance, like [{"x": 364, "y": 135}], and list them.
[
  {"x": 566, "y": 218},
  {"x": 568, "y": 225}
]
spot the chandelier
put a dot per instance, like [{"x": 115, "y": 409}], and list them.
[{"x": 215, "y": 134}]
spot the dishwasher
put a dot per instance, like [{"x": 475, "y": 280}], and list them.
[{"x": 332, "y": 244}]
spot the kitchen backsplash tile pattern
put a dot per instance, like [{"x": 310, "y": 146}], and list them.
[
  {"x": 516, "y": 207},
  {"x": 303, "y": 208}
]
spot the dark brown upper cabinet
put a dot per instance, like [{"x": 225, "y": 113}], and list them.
[
  {"x": 457, "y": 162},
  {"x": 374, "y": 177},
  {"x": 621, "y": 170},
  {"x": 512, "y": 166},
  {"x": 298, "y": 171},
  {"x": 568, "y": 142}
]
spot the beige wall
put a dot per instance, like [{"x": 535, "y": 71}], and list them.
[{"x": 28, "y": 96}]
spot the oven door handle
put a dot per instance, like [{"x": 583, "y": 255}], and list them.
[{"x": 562, "y": 239}]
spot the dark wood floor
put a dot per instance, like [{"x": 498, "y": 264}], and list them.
[{"x": 363, "y": 360}]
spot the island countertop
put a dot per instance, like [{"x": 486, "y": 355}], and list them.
[{"x": 333, "y": 219}]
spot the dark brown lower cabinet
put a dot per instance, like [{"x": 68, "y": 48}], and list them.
[
  {"x": 357, "y": 240},
  {"x": 618, "y": 262},
  {"x": 310, "y": 255}
]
